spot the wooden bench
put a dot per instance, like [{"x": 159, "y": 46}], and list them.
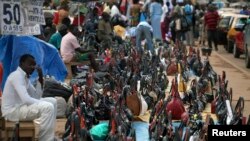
[
  {"x": 68, "y": 66},
  {"x": 26, "y": 129}
]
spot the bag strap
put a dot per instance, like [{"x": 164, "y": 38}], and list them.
[
  {"x": 204, "y": 128},
  {"x": 187, "y": 134},
  {"x": 240, "y": 105}
]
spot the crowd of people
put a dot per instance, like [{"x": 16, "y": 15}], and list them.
[
  {"x": 167, "y": 20},
  {"x": 151, "y": 20}
]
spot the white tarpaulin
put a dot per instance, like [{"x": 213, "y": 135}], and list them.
[{"x": 21, "y": 17}]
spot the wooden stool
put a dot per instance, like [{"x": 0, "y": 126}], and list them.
[
  {"x": 68, "y": 66},
  {"x": 26, "y": 129}
]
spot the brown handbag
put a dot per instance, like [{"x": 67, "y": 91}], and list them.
[{"x": 133, "y": 102}]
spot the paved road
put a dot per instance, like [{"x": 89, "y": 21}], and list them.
[
  {"x": 237, "y": 74},
  {"x": 237, "y": 62}
]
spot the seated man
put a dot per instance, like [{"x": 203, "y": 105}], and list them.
[
  {"x": 22, "y": 102},
  {"x": 71, "y": 50},
  {"x": 144, "y": 31}
]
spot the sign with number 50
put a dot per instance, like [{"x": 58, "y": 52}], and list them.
[{"x": 11, "y": 17}]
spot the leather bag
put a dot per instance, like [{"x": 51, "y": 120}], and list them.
[
  {"x": 133, "y": 101},
  {"x": 172, "y": 68},
  {"x": 175, "y": 105}
]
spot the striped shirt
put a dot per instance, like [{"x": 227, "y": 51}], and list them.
[{"x": 211, "y": 20}]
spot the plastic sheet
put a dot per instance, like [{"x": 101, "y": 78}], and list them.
[{"x": 47, "y": 57}]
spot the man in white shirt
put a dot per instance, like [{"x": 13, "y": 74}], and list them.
[
  {"x": 144, "y": 31},
  {"x": 21, "y": 101}
]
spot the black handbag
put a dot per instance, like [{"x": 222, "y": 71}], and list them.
[
  {"x": 53, "y": 88},
  {"x": 238, "y": 112}
]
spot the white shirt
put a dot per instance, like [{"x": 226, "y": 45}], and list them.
[
  {"x": 114, "y": 11},
  {"x": 68, "y": 45},
  {"x": 164, "y": 11},
  {"x": 18, "y": 90}
]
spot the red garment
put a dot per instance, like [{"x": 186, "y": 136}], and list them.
[
  {"x": 163, "y": 31},
  {"x": 165, "y": 27},
  {"x": 211, "y": 20},
  {"x": 123, "y": 10},
  {"x": 56, "y": 18},
  {"x": 239, "y": 40},
  {"x": 100, "y": 10},
  {"x": 123, "y": 7},
  {"x": 107, "y": 57},
  {"x": 75, "y": 20},
  {"x": 60, "y": 15}
]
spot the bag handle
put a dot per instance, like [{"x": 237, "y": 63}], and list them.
[
  {"x": 174, "y": 88},
  {"x": 204, "y": 128},
  {"x": 72, "y": 124},
  {"x": 187, "y": 134},
  {"x": 113, "y": 122},
  {"x": 240, "y": 105}
]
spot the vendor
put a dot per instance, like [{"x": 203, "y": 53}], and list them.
[
  {"x": 71, "y": 50},
  {"x": 144, "y": 31},
  {"x": 21, "y": 101}
]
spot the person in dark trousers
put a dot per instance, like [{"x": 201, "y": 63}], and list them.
[{"x": 211, "y": 20}]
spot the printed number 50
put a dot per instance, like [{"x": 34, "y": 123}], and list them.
[{"x": 9, "y": 15}]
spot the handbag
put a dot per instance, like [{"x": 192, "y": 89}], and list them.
[
  {"x": 238, "y": 112},
  {"x": 172, "y": 68},
  {"x": 133, "y": 101},
  {"x": 175, "y": 105}
]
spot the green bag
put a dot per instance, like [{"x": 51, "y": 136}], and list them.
[{"x": 100, "y": 131}]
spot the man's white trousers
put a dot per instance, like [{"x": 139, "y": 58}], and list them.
[{"x": 43, "y": 113}]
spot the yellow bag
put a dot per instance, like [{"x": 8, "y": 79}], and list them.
[
  {"x": 120, "y": 31},
  {"x": 182, "y": 87}
]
